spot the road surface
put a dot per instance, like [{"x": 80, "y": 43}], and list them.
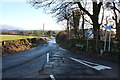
[{"x": 51, "y": 62}]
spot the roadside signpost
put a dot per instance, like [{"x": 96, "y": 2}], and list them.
[
  {"x": 107, "y": 28},
  {"x": 88, "y": 34}
]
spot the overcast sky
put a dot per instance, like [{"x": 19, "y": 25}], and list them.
[{"x": 23, "y": 15}]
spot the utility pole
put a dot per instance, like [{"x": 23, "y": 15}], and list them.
[{"x": 43, "y": 28}]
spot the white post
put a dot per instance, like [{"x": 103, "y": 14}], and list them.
[
  {"x": 109, "y": 40},
  {"x": 105, "y": 41},
  {"x": 47, "y": 57}
]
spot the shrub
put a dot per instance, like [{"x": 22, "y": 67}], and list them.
[{"x": 62, "y": 36}]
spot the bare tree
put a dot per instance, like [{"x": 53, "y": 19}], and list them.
[
  {"x": 94, "y": 17},
  {"x": 64, "y": 14},
  {"x": 56, "y": 6},
  {"x": 83, "y": 15},
  {"x": 76, "y": 18}
]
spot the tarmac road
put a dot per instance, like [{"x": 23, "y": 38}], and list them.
[{"x": 50, "y": 62}]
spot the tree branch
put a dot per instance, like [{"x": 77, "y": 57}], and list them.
[
  {"x": 102, "y": 16},
  {"x": 117, "y": 9},
  {"x": 88, "y": 21},
  {"x": 83, "y": 9},
  {"x": 99, "y": 6}
]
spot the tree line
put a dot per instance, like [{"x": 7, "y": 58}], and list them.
[
  {"x": 29, "y": 32},
  {"x": 83, "y": 13}
]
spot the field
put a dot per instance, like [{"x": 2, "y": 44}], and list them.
[{"x": 15, "y": 37}]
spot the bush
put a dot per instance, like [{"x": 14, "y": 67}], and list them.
[
  {"x": 79, "y": 44},
  {"x": 62, "y": 36}
]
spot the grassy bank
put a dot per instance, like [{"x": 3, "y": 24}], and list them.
[
  {"x": 16, "y": 37},
  {"x": 14, "y": 46}
]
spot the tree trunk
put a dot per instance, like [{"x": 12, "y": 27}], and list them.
[
  {"x": 68, "y": 26},
  {"x": 96, "y": 30},
  {"x": 117, "y": 25},
  {"x": 94, "y": 18},
  {"x": 76, "y": 18},
  {"x": 118, "y": 33},
  {"x": 83, "y": 26},
  {"x": 68, "y": 31}
]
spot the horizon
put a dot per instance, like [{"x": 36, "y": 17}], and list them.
[{"x": 11, "y": 27}]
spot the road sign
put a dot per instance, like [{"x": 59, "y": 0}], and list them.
[{"x": 107, "y": 27}]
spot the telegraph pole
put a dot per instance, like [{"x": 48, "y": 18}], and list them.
[{"x": 43, "y": 28}]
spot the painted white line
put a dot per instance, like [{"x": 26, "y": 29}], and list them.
[
  {"x": 97, "y": 66},
  {"x": 48, "y": 57},
  {"x": 52, "y": 77}
]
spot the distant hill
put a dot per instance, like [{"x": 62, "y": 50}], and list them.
[{"x": 8, "y": 27}]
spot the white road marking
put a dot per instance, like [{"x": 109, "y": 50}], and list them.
[
  {"x": 97, "y": 66},
  {"x": 52, "y": 77},
  {"x": 48, "y": 57}
]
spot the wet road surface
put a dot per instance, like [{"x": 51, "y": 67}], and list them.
[{"x": 51, "y": 62}]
